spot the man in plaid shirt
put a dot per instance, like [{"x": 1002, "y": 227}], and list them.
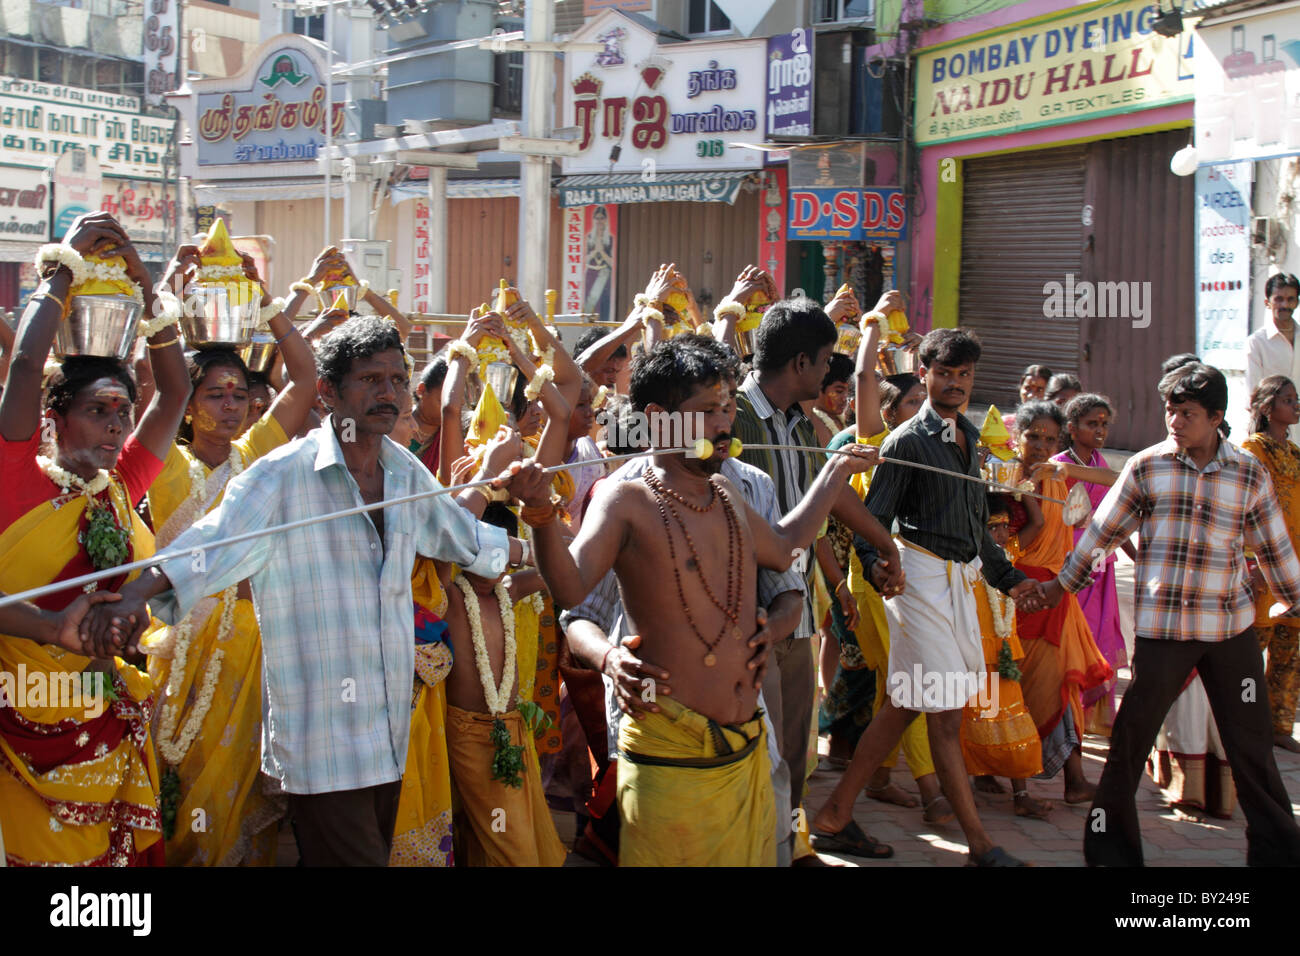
[{"x": 1198, "y": 501}]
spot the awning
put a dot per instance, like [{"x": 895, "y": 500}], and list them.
[
  {"x": 457, "y": 189},
  {"x": 665, "y": 187},
  {"x": 253, "y": 190}
]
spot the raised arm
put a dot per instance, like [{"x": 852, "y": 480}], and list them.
[
  {"x": 20, "y": 406},
  {"x": 568, "y": 376},
  {"x": 156, "y": 429},
  {"x": 459, "y": 365},
  {"x": 572, "y": 570},
  {"x": 868, "y": 422}
]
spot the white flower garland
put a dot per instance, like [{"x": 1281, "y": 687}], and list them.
[
  {"x": 69, "y": 482},
  {"x": 544, "y": 374},
  {"x": 112, "y": 272},
  {"x": 167, "y": 313},
  {"x": 173, "y": 748},
  {"x": 496, "y": 698},
  {"x": 728, "y": 307},
  {"x": 64, "y": 255},
  {"x": 459, "y": 348},
  {"x": 269, "y": 312},
  {"x": 1003, "y": 617},
  {"x": 220, "y": 273}
]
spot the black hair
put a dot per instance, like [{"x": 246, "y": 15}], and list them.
[
  {"x": 498, "y": 515},
  {"x": 1036, "y": 371},
  {"x": 78, "y": 371},
  {"x": 434, "y": 374},
  {"x": 1261, "y": 400},
  {"x": 841, "y": 370},
  {"x": 997, "y": 505},
  {"x": 590, "y": 337},
  {"x": 256, "y": 379},
  {"x": 519, "y": 397},
  {"x": 790, "y": 328},
  {"x": 198, "y": 364},
  {"x": 671, "y": 372},
  {"x": 893, "y": 390},
  {"x": 1178, "y": 361},
  {"x": 1084, "y": 403},
  {"x": 1196, "y": 382},
  {"x": 730, "y": 362},
  {"x": 617, "y": 416},
  {"x": 1061, "y": 382},
  {"x": 1280, "y": 280},
  {"x": 1030, "y": 412},
  {"x": 950, "y": 347},
  {"x": 360, "y": 337}
]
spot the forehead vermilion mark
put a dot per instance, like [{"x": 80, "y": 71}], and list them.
[{"x": 111, "y": 395}]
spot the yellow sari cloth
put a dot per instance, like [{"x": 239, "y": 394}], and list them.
[
  {"x": 1003, "y": 743},
  {"x": 1283, "y": 464},
  {"x": 423, "y": 835},
  {"x": 1061, "y": 657},
  {"x": 692, "y": 792},
  {"x": 102, "y": 808},
  {"x": 227, "y": 810}
]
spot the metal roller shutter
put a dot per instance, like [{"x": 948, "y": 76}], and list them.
[{"x": 1021, "y": 228}]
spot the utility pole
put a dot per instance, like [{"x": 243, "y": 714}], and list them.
[{"x": 535, "y": 170}]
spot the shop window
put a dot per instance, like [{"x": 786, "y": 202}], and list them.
[
  {"x": 704, "y": 16},
  {"x": 839, "y": 11},
  {"x": 17, "y": 61},
  {"x": 313, "y": 27},
  {"x": 508, "y": 74}
]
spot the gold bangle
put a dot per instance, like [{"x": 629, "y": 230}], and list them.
[
  {"x": 63, "y": 308},
  {"x": 485, "y": 491},
  {"x": 162, "y": 345}
]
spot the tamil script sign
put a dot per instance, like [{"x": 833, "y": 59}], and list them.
[
  {"x": 1248, "y": 88},
  {"x": 144, "y": 209},
  {"x": 162, "y": 28},
  {"x": 590, "y": 251},
  {"x": 273, "y": 113},
  {"x": 24, "y": 205},
  {"x": 660, "y": 189},
  {"x": 790, "y": 84},
  {"x": 41, "y": 121},
  {"x": 645, "y": 108},
  {"x": 1063, "y": 68},
  {"x": 851, "y": 214}
]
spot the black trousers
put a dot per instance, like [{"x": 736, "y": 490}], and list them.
[
  {"x": 1233, "y": 674},
  {"x": 345, "y": 827}
]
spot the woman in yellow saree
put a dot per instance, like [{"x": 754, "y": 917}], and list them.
[
  {"x": 78, "y": 778},
  {"x": 218, "y": 810}
]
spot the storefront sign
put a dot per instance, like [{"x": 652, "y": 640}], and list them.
[
  {"x": 771, "y": 236},
  {"x": 24, "y": 205},
  {"x": 144, "y": 209},
  {"x": 162, "y": 30},
  {"x": 649, "y": 109},
  {"x": 852, "y": 214},
  {"x": 1067, "y": 68},
  {"x": 659, "y": 189},
  {"x": 78, "y": 188},
  {"x": 790, "y": 84},
  {"x": 1223, "y": 264},
  {"x": 39, "y": 122},
  {"x": 1248, "y": 88},
  {"x": 272, "y": 113},
  {"x": 420, "y": 267},
  {"x": 590, "y": 251}
]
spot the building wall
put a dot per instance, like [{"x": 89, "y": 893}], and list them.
[{"x": 219, "y": 37}]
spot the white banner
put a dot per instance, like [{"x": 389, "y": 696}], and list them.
[
  {"x": 24, "y": 205},
  {"x": 162, "y": 28},
  {"x": 1223, "y": 264}
]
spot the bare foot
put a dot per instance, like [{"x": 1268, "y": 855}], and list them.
[
  {"x": 892, "y": 793},
  {"x": 989, "y": 785},
  {"x": 938, "y": 811},
  {"x": 1188, "y": 812},
  {"x": 1032, "y": 807},
  {"x": 1081, "y": 792},
  {"x": 1286, "y": 742}
]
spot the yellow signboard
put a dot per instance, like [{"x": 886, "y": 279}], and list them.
[{"x": 1065, "y": 68}]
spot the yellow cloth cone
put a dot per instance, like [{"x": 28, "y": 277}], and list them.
[
  {"x": 994, "y": 435},
  {"x": 340, "y": 303},
  {"x": 489, "y": 416},
  {"x": 97, "y": 286},
  {"x": 217, "y": 249}
]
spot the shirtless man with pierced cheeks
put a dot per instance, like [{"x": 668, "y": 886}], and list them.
[{"x": 686, "y": 547}]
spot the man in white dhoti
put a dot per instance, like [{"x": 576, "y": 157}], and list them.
[{"x": 935, "y": 655}]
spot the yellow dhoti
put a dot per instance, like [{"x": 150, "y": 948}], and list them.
[
  {"x": 497, "y": 825},
  {"x": 692, "y": 792}
]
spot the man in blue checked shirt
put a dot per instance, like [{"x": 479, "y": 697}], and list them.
[{"x": 333, "y": 599}]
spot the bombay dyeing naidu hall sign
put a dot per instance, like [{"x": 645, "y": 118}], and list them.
[
  {"x": 1103, "y": 60},
  {"x": 273, "y": 113},
  {"x": 642, "y": 107}
]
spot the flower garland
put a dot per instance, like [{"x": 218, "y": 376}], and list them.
[
  {"x": 269, "y": 312},
  {"x": 167, "y": 313},
  {"x": 173, "y": 748},
  {"x": 112, "y": 272},
  {"x": 534, "y": 388},
  {"x": 459, "y": 348},
  {"x": 217, "y": 273},
  {"x": 65, "y": 256},
  {"x": 105, "y": 537},
  {"x": 1003, "y": 617},
  {"x": 728, "y": 307},
  {"x": 507, "y": 759}
]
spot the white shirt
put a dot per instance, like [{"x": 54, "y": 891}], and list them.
[{"x": 1269, "y": 353}]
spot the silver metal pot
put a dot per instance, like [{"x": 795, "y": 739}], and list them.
[
  {"x": 209, "y": 318},
  {"x": 501, "y": 378},
  {"x": 259, "y": 355},
  {"x": 101, "y": 325},
  {"x": 349, "y": 296}
]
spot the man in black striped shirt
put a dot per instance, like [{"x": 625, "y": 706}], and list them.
[{"x": 936, "y": 661}]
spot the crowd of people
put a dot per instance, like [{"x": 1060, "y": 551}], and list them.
[{"x": 409, "y": 613}]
